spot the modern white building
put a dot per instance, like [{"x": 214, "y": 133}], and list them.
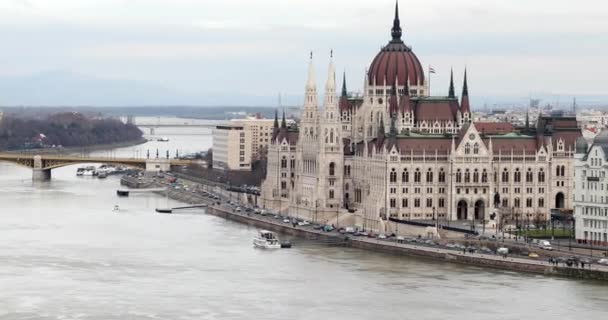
[
  {"x": 231, "y": 148},
  {"x": 591, "y": 191},
  {"x": 258, "y": 131}
]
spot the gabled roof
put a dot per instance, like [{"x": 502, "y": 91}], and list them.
[{"x": 435, "y": 109}]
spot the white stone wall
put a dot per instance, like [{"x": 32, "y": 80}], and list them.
[{"x": 591, "y": 197}]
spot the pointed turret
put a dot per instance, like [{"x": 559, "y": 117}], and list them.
[
  {"x": 404, "y": 100},
  {"x": 451, "y": 93},
  {"x": 283, "y": 122},
  {"x": 343, "y": 101},
  {"x": 311, "y": 82},
  {"x": 331, "y": 105},
  {"x": 393, "y": 104},
  {"x": 527, "y": 119},
  {"x": 344, "y": 92},
  {"x": 276, "y": 120},
  {"x": 275, "y": 128},
  {"x": 393, "y": 130},
  {"x": 309, "y": 112},
  {"x": 396, "y": 30},
  {"x": 381, "y": 129},
  {"x": 464, "y": 103}
]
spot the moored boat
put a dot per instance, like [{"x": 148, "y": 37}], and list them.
[{"x": 267, "y": 240}]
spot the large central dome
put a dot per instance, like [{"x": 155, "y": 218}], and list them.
[{"x": 395, "y": 61}]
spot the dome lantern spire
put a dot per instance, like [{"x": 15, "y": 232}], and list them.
[{"x": 396, "y": 30}]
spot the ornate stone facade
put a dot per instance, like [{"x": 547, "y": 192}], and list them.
[{"x": 396, "y": 152}]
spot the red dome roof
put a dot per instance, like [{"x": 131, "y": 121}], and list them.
[{"x": 395, "y": 61}]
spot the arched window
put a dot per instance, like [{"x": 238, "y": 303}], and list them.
[
  {"x": 283, "y": 163},
  {"x": 529, "y": 175},
  {"x": 476, "y": 148},
  {"x": 484, "y": 176},
  {"x": 557, "y": 170},
  {"x": 332, "y": 169},
  {"x": 541, "y": 176},
  {"x": 405, "y": 176},
  {"x": 467, "y": 176},
  {"x": 331, "y": 136},
  {"x": 475, "y": 176},
  {"x": 331, "y": 194},
  {"x": 505, "y": 175},
  {"x": 458, "y": 176},
  {"x": 467, "y": 148},
  {"x": 516, "y": 203},
  {"x": 417, "y": 176},
  {"x": 429, "y": 175},
  {"x": 517, "y": 175},
  {"x": 441, "y": 175},
  {"x": 393, "y": 176},
  {"x": 563, "y": 171}
]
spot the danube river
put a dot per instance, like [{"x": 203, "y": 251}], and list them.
[{"x": 65, "y": 254}]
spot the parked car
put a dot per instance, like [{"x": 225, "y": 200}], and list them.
[
  {"x": 400, "y": 239},
  {"x": 381, "y": 236},
  {"x": 603, "y": 261},
  {"x": 532, "y": 255},
  {"x": 303, "y": 223}
]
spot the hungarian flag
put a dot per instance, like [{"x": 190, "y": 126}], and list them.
[{"x": 431, "y": 69}]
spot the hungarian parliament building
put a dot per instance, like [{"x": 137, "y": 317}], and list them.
[{"x": 397, "y": 153}]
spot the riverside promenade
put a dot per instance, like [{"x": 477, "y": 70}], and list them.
[{"x": 440, "y": 254}]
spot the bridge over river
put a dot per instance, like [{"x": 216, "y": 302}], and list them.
[{"x": 42, "y": 165}]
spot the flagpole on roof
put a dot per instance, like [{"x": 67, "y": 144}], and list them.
[{"x": 431, "y": 70}]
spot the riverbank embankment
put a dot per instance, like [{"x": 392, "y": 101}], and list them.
[{"x": 511, "y": 263}]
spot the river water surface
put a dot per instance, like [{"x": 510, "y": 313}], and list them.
[{"x": 64, "y": 254}]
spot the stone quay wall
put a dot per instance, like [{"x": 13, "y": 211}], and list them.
[{"x": 434, "y": 253}]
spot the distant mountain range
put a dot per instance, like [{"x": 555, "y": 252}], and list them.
[{"x": 65, "y": 88}]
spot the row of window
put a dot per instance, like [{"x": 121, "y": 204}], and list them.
[
  {"x": 475, "y": 176},
  {"x": 405, "y": 203},
  {"x": 517, "y": 202}
]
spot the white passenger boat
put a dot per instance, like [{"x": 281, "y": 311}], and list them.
[
  {"x": 267, "y": 240},
  {"x": 86, "y": 171}
]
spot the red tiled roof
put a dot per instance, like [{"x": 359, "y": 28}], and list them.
[
  {"x": 435, "y": 110},
  {"x": 569, "y": 138},
  {"x": 494, "y": 127},
  {"x": 517, "y": 145},
  {"x": 422, "y": 144}
]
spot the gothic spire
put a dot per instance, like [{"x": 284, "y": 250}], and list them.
[
  {"x": 465, "y": 87},
  {"x": 451, "y": 93},
  {"x": 381, "y": 128},
  {"x": 310, "y": 83},
  {"x": 396, "y": 30},
  {"x": 393, "y": 132},
  {"x": 344, "y": 92},
  {"x": 465, "y": 106},
  {"x": 527, "y": 118},
  {"x": 283, "y": 122},
  {"x": 276, "y": 119}
]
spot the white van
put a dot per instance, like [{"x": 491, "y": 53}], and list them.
[{"x": 545, "y": 244}]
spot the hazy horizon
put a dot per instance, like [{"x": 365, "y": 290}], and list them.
[{"x": 160, "y": 52}]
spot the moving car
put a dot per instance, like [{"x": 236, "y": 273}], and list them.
[{"x": 545, "y": 244}]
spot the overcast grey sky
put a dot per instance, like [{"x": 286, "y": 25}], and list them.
[{"x": 199, "y": 47}]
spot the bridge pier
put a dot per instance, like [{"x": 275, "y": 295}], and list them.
[{"x": 41, "y": 174}]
